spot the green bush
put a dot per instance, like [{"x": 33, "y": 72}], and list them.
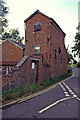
[{"x": 78, "y": 64}]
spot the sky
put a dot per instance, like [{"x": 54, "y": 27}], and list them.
[{"x": 64, "y": 12}]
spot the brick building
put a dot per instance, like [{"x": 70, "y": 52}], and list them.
[
  {"x": 45, "y": 54},
  {"x": 12, "y": 53}
]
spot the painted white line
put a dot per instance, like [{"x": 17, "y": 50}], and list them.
[
  {"x": 62, "y": 87},
  {"x": 66, "y": 86},
  {"x": 54, "y": 104},
  {"x": 74, "y": 95},
  {"x": 66, "y": 93},
  {"x": 70, "y": 90},
  {"x": 78, "y": 98}
]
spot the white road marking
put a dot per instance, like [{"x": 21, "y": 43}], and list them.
[
  {"x": 66, "y": 86},
  {"x": 78, "y": 98},
  {"x": 54, "y": 104},
  {"x": 66, "y": 93},
  {"x": 70, "y": 90},
  {"x": 74, "y": 95},
  {"x": 62, "y": 87}
]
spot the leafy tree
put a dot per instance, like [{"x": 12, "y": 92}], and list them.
[
  {"x": 13, "y": 34},
  {"x": 76, "y": 48},
  {"x": 70, "y": 57},
  {"x": 3, "y": 13},
  {"x": 74, "y": 62}
]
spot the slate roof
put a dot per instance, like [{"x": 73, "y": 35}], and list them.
[
  {"x": 17, "y": 43},
  {"x": 37, "y": 11},
  {"x": 22, "y": 46}
]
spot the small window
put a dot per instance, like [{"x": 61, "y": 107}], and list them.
[
  {"x": 37, "y": 49},
  {"x": 7, "y": 71},
  {"x": 50, "y": 56},
  {"x": 55, "y": 54},
  {"x": 61, "y": 57},
  {"x": 37, "y": 26},
  {"x": 33, "y": 65},
  {"x": 47, "y": 40},
  {"x": 59, "y": 50}
]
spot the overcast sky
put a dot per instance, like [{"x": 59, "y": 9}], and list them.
[{"x": 64, "y": 12}]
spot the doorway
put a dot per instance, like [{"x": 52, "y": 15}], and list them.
[{"x": 35, "y": 68}]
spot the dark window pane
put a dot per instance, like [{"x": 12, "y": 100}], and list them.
[{"x": 37, "y": 26}]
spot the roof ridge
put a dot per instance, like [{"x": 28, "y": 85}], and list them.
[{"x": 38, "y": 11}]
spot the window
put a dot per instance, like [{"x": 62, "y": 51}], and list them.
[
  {"x": 61, "y": 57},
  {"x": 37, "y": 26},
  {"x": 47, "y": 40},
  {"x": 55, "y": 53},
  {"x": 7, "y": 71},
  {"x": 37, "y": 49},
  {"x": 59, "y": 50},
  {"x": 33, "y": 65},
  {"x": 50, "y": 55}
]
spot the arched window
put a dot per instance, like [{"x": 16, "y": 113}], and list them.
[
  {"x": 36, "y": 49},
  {"x": 37, "y": 26}
]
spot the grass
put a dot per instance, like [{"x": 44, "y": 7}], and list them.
[
  {"x": 73, "y": 65},
  {"x": 29, "y": 89}
]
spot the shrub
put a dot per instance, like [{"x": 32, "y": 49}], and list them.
[{"x": 78, "y": 64}]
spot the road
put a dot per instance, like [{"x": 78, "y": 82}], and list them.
[{"x": 60, "y": 102}]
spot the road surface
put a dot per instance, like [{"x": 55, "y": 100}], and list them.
[{"x": 60, "y": 102}]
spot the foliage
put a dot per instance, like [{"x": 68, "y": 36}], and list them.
[
  {"x": 13, "y": 34},
  {"x": 70, "y": 57},
  {"x": 76, "y": 48},
  {"x": 74, "y": 62},
  {"x": 29, "y": 89},
  {"x": 3, "y": 13},
  {"x": 78, "y": 64}
]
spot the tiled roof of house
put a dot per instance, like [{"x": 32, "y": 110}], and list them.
[
  {"x": 22, "y": 46},
  {"x": 37, "y": 11},
  {"x": 17, "y": 43}
]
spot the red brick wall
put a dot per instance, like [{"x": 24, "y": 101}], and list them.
[{"x": 11, "y": 52}]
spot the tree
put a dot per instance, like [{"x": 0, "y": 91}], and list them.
[
  {"x": 13, "y": 34},
  {"x": 70, "y": 57},
  {"x": 3, "y": 13},
  {"x": 74, "y": 62},
  {"x": 76, "y": 48}
]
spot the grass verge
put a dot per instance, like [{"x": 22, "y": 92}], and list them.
[{"x": 29, "y": 89}]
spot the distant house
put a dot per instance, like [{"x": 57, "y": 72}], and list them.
[{"x": 12, "y": 52}]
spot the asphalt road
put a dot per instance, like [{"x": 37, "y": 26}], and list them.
[{"x": 60, "y": 102}]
